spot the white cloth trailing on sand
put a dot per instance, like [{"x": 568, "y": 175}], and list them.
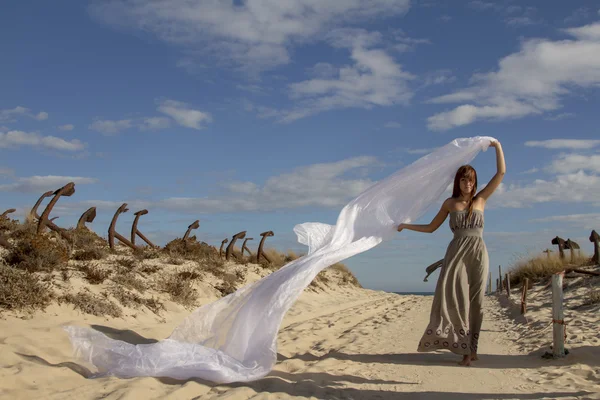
[{"x": 235, "y": 338}]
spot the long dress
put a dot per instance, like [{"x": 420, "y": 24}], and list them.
[{"x": 457, "y": 313}]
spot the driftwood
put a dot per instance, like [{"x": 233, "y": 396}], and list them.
[
  {"x": 595, "y": 238},
  {"x": 86, "y": 217},
  {"x": 222, "y": 244},
  {"x": 245, "y": 248},
  {"x": 33, "y": 213},
  {"x": 582, "y": 271},
  {"x": 228, "y": 251},
  {"x": 431, "y": 269},
  {"x": 560, "y": 242},
  {"x": 9, "y": 211},
  {"x": 43, "y": 221},
  {"x": 193, "y": 225},
  {"x": 112, "y": 234},
  {"x": 260, "y": 252},
  {"x": 136, "y": 231}
]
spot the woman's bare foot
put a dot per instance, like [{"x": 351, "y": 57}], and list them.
[
  {"x": 466, "y": 361},
  {"x": 474, "y": 357}
]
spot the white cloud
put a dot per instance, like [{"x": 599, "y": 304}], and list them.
[
  {"x": 19, "y": 138},
  {"x": 421, "y": 151},
  {"x": 11, "y": 114},
  {"x": 109, "y": 127},
  {"x": 154, "y": 123},
  {"x": 318, "y": 185},
  {"x": 40, "y": 184},
  {"x": 569, "y": 163},
  {"x": 374, "y": 79},
  {"x": 560, "y": 116},
  {"x": 572, "y": 144},
  {"x": 582, "y": 221},
  {"x": 578, "y": 187},
  {"x": 184, "y": 114},
  {"x": 439, "y": 77},
  {"x": 578, "y": 15},
  {"x": 530, "y": 82},
  {"x": 255, "y": 34},
  {"x": 6, "y": 171},
  {"x": 67, "y": 127},
  {"x": 393, "y": 125}
]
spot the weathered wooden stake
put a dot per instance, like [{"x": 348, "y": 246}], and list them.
[
  {"x": 524, "y": 296},
  {"x": 548, "y": 251},
  {"x": 498, "y": 288},
  {"x": 490, "y": 283},
  {"x": 500, "y": 278},
  {"x": 508, "y": 284},
  {"x": 558, "y": 348}
]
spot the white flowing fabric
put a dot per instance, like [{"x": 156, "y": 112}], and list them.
[{"x": 235, "y": 338}]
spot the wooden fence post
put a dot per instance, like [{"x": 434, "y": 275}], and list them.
[
  {"x": 489, "y": 283},
  {"x": 507, "y": 278},
  {"x": 498, "y": 288},
  {"x": 558, "y": 323},
  {"x": 500, "y": 277},
  {"x": 524, "y": 296}
]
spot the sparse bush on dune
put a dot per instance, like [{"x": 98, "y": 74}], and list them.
[
  {"x": 542, "y": 266},
  {"x": 91, "y": 303},
  {"x": 593, "y": 297},
  {"x": 34, "y": 261},
  {"x": 22, "y": 290},
  {"x": 37, "y": 253}
]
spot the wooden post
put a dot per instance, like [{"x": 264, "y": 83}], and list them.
[
  {"x": 558, "y": 324},
  {"x": 524, "y": 296},
  {"x": 489, "y": 283},
  {"x": 500, "y": 277},
  {"x": 498, "y": 289},
  {"x": 507, "y": 279}
]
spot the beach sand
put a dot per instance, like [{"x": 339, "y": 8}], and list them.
[{"x": 336, "y": 342}]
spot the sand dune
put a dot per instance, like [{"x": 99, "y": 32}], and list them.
[{"x": 337, "y": 343}]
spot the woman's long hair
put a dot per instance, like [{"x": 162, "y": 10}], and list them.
[{"x": 468, "y": 172}]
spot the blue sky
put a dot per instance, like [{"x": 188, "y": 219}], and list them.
[{"x": 259, "y": 115}]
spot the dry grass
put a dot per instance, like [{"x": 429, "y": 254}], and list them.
[
  {"x": 146, "y": 253},
  {"x": 180, "y": 290},
  {"x": 21, "y": 290},
  {"x": 229, "y": 284},
  {"x": 542, "y": 266},
  {"x": 190, "y": 250},
  {"x": 38, "y": 253},
  {"x": 94, "y": 274},
  {"x": 89, "y": 254},
  {"x": 130, "y": 281},
  {"x": 91, "y": 303},
  {"x": 125, "y": 264},
  {"x": 133, "y": 300}
]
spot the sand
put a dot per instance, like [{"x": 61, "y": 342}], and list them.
[{"x": 335, "y": 343}]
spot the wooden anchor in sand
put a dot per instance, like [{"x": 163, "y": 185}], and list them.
[
  {"x": 229, "y": 250},
  {"x": 260, "y": 252},
  {"x": 112, "y": 234},
  {"x": 135, "y": 231},
  {"x": 9, "y": 211},
  {"x": 245, "y": 248},
  {"x": 193, "y": 225},
  {"x": 431, "y": 269},
  {"x": 43, "y": 220},
  {"x": 595, "y": 238},
  {"x": 87, "y": 217},
  {"x": 33, "y": 215},
  {"x": 222, "y": 244}
]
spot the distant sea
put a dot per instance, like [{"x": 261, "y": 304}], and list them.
[{"x": 416, "y": 293}]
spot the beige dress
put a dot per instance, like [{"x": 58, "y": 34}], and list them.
[{"x": 456, "y": 312}]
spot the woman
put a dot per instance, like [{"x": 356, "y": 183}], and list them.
[{"x": 457, "y": 313}]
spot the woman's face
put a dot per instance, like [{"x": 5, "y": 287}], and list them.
[{"x": 466, "y": 185}]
